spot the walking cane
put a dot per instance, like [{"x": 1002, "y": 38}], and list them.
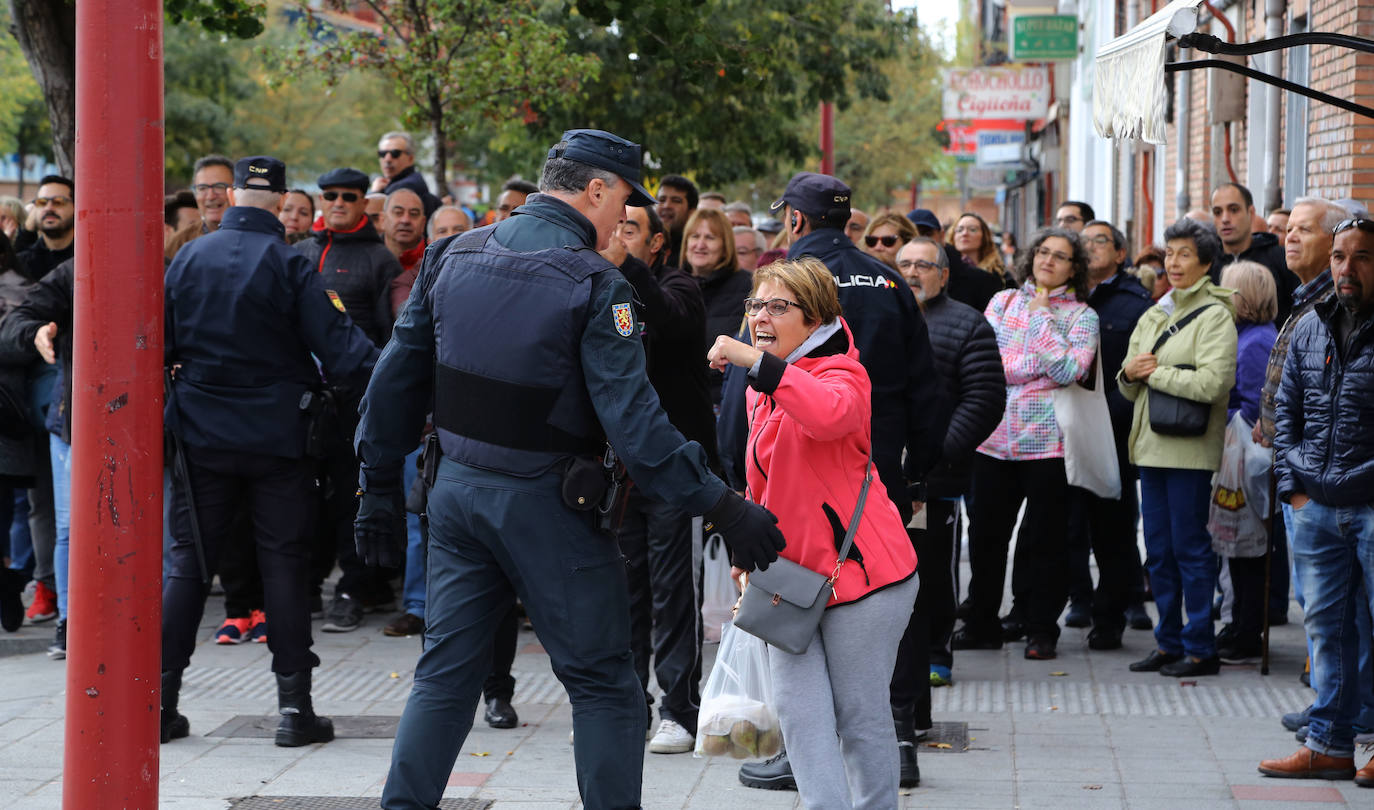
[{"x": 1268, "y": 565}]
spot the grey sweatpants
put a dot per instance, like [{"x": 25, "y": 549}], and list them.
[{"x": 832, "y": 701}]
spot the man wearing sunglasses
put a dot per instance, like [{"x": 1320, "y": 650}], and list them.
[
  {"x": 396, "y": 158},
  {"x": 1324, "y": 466},
  {"x": 54, "y": 212},
  {"x": 357, "y": 270},
  {"x": 524, "y": 344}
]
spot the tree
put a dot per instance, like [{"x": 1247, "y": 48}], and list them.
[
  {"x": 46, "y": 32},
  {"x": 453, "y": 63},
  {"x": 23, "y": 117},
  {"x": 723, "y": 89}
]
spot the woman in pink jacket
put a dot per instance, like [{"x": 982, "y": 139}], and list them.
[{"x": 809, "y": 446}]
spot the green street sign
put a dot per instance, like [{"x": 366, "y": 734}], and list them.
[{"x": 1044, "y": 37}]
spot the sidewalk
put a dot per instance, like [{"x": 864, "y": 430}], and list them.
[{"x": 1080, "y": 731}]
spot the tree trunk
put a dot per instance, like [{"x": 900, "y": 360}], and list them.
[
  {"x": 436, "y": 123},
  {"x": 46, "y": 30}
]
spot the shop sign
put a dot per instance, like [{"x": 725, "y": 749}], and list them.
[
  {"x": 1044, "y": 37},
  {"x": 1019, "y": 93}
]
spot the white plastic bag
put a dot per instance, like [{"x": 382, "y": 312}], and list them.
[
  {"x": 1234, "y": 520},
  {"x": 737, "y": 717},
  {"x": 718, "y": 592},
  {"x": 1090, "y": 460}
]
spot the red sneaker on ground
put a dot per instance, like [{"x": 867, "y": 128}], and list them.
[
  {"x": 257, "y": 632},
  {"x": 44, "y": 605},
  {"x": 233, "y": 631}
]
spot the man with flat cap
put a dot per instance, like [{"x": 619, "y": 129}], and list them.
[
  {"x": 246, "y": 318},
  {"x": 357, "y": 269},
  {"x": 523, "y": 341}
]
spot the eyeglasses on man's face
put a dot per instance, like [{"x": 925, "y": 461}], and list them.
[
  {"x": 917, "y": 264},
  {"x": 348, "y": 196},
  {"x": 776, "y": 307},
  {"x": 205, "y": 188},
  {"x": 1099, "y": 240},
  {"x": 888, "y": 240},
  {"x": 394, "y": 154},
  {"x": 44, "y": 202},
  {"x": 1068, "y": 219}
]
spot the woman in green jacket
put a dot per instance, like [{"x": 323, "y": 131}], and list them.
[{"x": 1197, "y": 361}]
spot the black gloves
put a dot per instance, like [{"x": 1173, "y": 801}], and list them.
[
  {"x": 380, "y": 529},
  {"x": 749, "y": 530}
]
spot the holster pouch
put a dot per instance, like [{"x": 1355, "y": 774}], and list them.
[
  {"x": 417, "y": 499},
  {"x": 321, "y": 423},
  {"x": 584, "y": 483}
]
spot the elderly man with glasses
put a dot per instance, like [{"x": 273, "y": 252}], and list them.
[
  {"x": 1324, "y": 464},
  {"x": 396, "y": 158}
]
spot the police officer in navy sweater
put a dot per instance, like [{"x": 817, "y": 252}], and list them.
[
  {"x": 524, "y": 340},
  {"x": 244, "y": 315}
]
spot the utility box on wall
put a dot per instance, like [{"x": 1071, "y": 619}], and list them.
[{"x": 1226, "y": 95}]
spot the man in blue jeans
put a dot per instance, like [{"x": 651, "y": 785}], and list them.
[{"x": 1324, "y": 462}]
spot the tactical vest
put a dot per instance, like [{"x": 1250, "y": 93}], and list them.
[{"x": 509, "y": 391}]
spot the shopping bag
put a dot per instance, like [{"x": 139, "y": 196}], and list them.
[
  {"x": 718, "y": 592},
  {"x": 737, "y": 716},
  {"x": 1089, "y": 444},
  {"x": 1233, "y": 519}
]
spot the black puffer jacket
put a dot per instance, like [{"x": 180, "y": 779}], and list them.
[
  {"x": 970, "y": 367},
  {"x": 357, "y": 267},
  {"x": 1324, "y": 418}
]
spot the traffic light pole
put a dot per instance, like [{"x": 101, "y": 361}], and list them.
[{"x": 114, "y": 636}]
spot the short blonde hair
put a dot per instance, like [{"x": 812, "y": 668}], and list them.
[
  {"x": 1256, "y": 298},
  {"x": 905, "y": 230},
  {"x": 809, "y": 281}
]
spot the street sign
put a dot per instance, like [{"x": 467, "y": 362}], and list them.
[
  {"x": 1021, "y": 93},
  {"x": 999, "y": 147},
  {"x": 1044, "y": 37}
]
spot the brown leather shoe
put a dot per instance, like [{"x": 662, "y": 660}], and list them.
[
  {"x": 1308, "y": 764},
  {"x": 1364, "y": 777}
]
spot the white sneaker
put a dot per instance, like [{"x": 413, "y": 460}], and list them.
[{"x": 672, "y": 739}]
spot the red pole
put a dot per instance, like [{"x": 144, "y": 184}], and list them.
[
  {"x": 827, "y": 138},
  {"x": 114, "y": 640}
]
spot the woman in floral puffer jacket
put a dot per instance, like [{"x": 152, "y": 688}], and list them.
[{"x": 1047, "y": 336}]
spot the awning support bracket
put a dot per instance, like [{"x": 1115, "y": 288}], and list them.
[
  {"x": 1259, "y": 76},
  {"x": 1212, "y": 44}
]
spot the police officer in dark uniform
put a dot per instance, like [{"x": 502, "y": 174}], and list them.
[
  {"x": 244, "y": 314},
  {"x": 523, "y": 339}
]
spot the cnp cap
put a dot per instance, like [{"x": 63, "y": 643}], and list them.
[
  {"x": 819, "y": 196},
  {"x": 343, "y": 178},
  {"x": 604, "y": 150},
  {"x": 261, "y": 172},
  {"x": 924, "y": 218}
]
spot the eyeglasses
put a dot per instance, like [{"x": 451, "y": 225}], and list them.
[
  {"x": 218, "y": 188},
  {"x": 1366, "y": 225},
  {"x": 888, "y": 241},
  {"x": 391, "y": 153},
  {"x": 1098, "y": 240},
  {"x": 973, "y": 229},
  {"x": 917, "y": 264},
  {"x": 348, "y": 196},
  {"x": 1046, "y": 253},
  {"x": 44, "y": 202},
  {"x": 1068, "y": 220},
  {"x": 776, "y": 307}
]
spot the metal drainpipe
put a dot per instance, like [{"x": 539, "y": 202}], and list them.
[
  {"x": 1184, "y": 99},
  {"x": 1273, "y": 167},
  {"x": 1132, "y": 154}
]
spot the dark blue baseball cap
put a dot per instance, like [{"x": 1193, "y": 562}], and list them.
[
  {"x": 821, "y": 197},
  {"x": 344, "y": 178},
  {"x": 605, "y": 150},
  {"x": 261, "y": 172},
  {"x": 924, "y": 218}
]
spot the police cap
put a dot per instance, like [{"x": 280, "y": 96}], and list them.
[
  {"x": 260, "y": 172},
  {"x": 604, "y": 150},
  {"x": 820, "y": 196},
  {"x": 343, "y": 178}
]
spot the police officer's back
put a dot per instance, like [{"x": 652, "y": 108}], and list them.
[
  {"x": 539, "y": 363},
  {"x": 244, "y": 313}
]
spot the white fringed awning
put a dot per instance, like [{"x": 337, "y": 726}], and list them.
[{"x": 1128, "y": 82}]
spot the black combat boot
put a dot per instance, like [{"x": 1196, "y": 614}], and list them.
[
  {"x": 771, "y": 774},
  {"x": 174, "y": 725},
  {"x": 299, "y": 723},
  {"x": 904, "y": 718}
]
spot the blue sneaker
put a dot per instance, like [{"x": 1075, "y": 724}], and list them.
[
  {"x": 1296, "y": 720},
  {"x": 940, "y": 675}
]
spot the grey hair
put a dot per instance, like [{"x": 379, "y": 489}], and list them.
[
  {"x": 941, "y": 258},
  {"x": 396, "y": 133},
  {"x": 257, "y": 198},
  {"x": 1332, "y": 214},
  {"x": 1203, "y": 236},
  {"x": 563, "y": 174},
  {"x": 758, "y": 237},
  {"x": 14, "y": 206},
  {"x": 1118, "y": 238},
  {"x": 429, "y": 227},
  {"x": 404, "y": 190},
  {"x": 740, "y": 207}
]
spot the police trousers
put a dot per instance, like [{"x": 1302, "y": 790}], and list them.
[
  {"x": 493, "y": 537},
  {"x": 275, "y": 493}
]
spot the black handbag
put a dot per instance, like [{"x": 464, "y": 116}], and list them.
[
  {"x": 783, "y": 605},
  {"x": 1172, "y": 415}
]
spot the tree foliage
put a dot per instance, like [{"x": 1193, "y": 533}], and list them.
[
  {"x": 451, "y": 63},
  {"x": 722, "y": 88}
]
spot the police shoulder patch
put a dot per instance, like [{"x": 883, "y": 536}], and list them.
[
  {"x": 624, "y": 319},
  {"x": 338, "y": 302}
]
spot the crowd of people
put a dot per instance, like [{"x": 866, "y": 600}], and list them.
[{"x": 789, "y": 349}]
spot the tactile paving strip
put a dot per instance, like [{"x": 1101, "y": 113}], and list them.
[
  {"x": 945, "y": 738},
  {"x": 1170, "y": 699},
  {"x": 338, "y": 803},
  {"x": 342, "y": 683},
  {"x": 354, "y": 727}
]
